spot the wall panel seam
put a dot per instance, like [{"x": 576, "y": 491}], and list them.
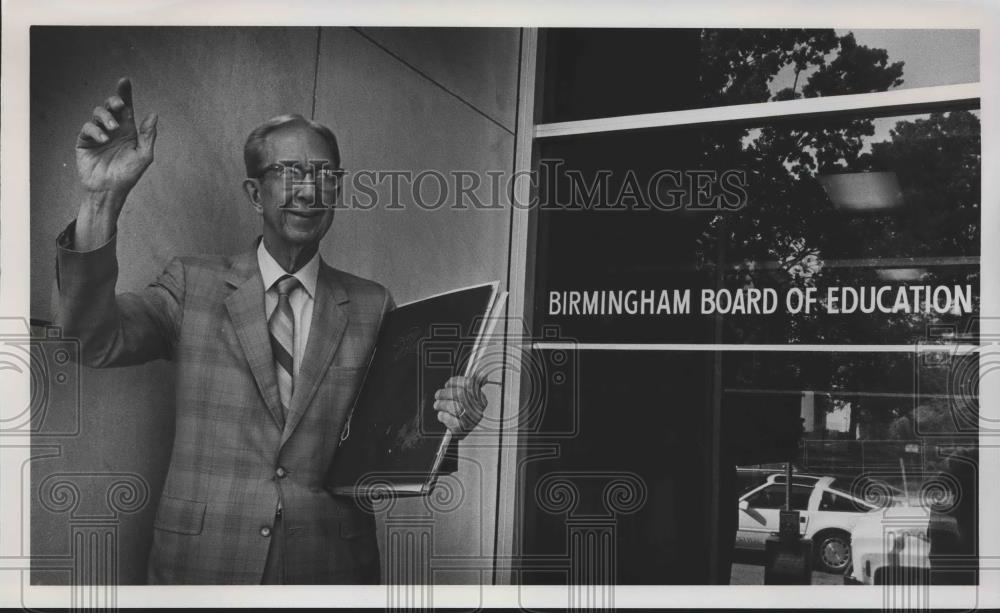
[
  {"x": 438, "y": 84},
  {"x": 312, "y": 112}
]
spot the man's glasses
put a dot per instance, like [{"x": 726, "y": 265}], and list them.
[{"x": 327, "y": 179}]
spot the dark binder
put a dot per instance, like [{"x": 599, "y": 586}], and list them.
[{"x": 393, "y": 443}]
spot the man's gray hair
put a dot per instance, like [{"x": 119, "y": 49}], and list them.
[{"x": 253, "y": 150}]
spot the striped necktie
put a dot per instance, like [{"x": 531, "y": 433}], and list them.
[{"x": 282, "y": 328}]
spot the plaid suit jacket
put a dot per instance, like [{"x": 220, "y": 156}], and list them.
[{"x": 234, "y": 456}]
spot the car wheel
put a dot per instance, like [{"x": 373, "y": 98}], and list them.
[{"x": 833, "y": 551}]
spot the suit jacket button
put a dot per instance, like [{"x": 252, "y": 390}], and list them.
[
  {"x": 265, "y": 531},
  {"x": 281, "y": 472}
]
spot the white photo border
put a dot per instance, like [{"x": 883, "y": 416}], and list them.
[{"x": 19, "y": 15}]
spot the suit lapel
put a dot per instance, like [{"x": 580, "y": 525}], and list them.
[
  {"x": 329, "y": 321},
  {"x": 246, "y": 309}
]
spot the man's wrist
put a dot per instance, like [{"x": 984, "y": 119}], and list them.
[
  {"x": 97, "y": 221},
  {"x": 104, "y": 201}
]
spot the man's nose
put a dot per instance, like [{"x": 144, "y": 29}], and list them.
[{"x": 304, "y": 191}]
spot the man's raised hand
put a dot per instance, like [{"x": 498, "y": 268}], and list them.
[{"x": 111, "y": 151}]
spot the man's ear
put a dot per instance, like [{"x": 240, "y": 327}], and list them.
[{"x": 252, "y": 189}]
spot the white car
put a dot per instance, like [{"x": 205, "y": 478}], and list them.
[
  {"x": 890, "y": 547},
  {"x": 828, "y": 513},
  {"x": 893, "y": 546}
]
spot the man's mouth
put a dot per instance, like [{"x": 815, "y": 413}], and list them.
[{"x": 305, "y": 213}]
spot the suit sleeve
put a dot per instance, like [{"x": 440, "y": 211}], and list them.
[
  {"x": 388, "y": 303},
  {"x": 116, "y": 330}
]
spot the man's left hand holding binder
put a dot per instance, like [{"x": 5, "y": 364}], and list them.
[{"x": 460, "y": 404}]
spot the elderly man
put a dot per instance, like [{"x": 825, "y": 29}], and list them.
[{"x": 270, "y": 348}]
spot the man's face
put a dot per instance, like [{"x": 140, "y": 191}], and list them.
[{"x": 296, "y": 212}]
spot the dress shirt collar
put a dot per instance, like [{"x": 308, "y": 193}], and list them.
[{"x": 271, "y": 271}]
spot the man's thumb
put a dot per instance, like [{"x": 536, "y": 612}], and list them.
[
  {"x": 147, "y": 133},
  {"x": 479, "y": 379}
]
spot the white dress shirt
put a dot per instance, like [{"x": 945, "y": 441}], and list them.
[{"x": 300, "y": 299}]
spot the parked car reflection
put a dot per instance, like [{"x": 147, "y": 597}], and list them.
[{"x": 828, "y": 514}]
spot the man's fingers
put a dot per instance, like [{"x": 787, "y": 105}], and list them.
[
  {"x": 147, "y": 133},
  {"x": 457, "y": 381},
  {"x": 90, "y": 132},
  {"x": 451, "y": 422},
  {"x": 125, "y": 93},
  {"x": 124, "y": 90},
  {"x": 460, "y": 403},
  {"x": 103, "y": 118},
  {"x": 114, "y": 103},
  {"x": 448, "y": 406},
  {"x": 466, "y": 387},
  {"x": 450, "y": 414},
  {"x": 458, "y": 409},
  {"x": 475, "y": 379},
  {"x": 474, "y": 383},
  {"x": 471, "y": 396}
]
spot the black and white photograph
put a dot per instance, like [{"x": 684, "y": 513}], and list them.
[{"x": 533, "y": 310}]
